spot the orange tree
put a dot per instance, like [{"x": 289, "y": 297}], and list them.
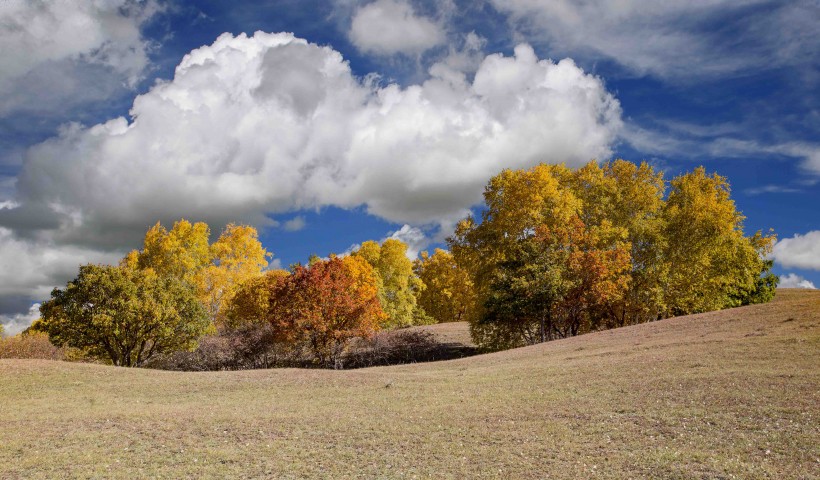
[{"x": 326, "y": 304}]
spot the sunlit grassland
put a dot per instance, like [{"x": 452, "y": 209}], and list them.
[{"x": 718, "y": 395}]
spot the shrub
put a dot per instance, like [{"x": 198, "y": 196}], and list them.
[
  {"x": 30, "y": 345},
  {"x": 401, "y": 346}
]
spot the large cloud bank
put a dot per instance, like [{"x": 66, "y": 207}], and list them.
[
  {"x": 272, "y": 123},
  {"x": 253, "y": 126}
]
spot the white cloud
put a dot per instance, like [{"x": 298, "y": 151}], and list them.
[
  {"x": 792, "y": 280},
  {"x": 799, "y": 251},
  {"x": 268, "y": 124},
  {"x": 386, "y": 27},
  {"x": 14, "y": 324},
  {"x": 271, "y": 123},
  {"x": 61, "y": 52},
  {"x": 414, "y": 237},
  {"x": 295, "y": 224},
  {"x": 672, "y": 39}
]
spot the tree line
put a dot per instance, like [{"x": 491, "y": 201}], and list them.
[{"x": 557, "y": 252}]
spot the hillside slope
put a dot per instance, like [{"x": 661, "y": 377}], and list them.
[{"x": 718, "y": 395}]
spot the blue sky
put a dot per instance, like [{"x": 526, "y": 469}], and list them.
[{"x": 348, "y": 120}]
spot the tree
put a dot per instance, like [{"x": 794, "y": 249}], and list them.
[
  {"x": 552, "y": 286},
  {"x": 629, "y": 197},
  {"x": 250, "y": 303},
  {"x": 326, "y": 304},
  {"x": 711, "y": 263},
  {"x": 448, "y": 294},
  {"x": 236, "y": 257},
  {"x": 215, "y": 270},
  {"x": 559, "y": 252},
  {"x": 126, "y": 315},
  {"x": 398, "y": 283},
  {"x": 181, "y": 253},
  {"x": 512, "y": 276}
]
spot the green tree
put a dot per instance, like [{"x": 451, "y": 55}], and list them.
[{"x": 126, "y": 315}]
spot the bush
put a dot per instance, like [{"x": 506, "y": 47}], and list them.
[
  {"x": 30, "y": 345},
  {"x": 243, "y": 348},
  {"x": 401, "y": 346}
]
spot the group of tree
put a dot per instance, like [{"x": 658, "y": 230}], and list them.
[
  {"x": 560, "y": 252},
  {"x": 179, "y": 287},
  {"x": 159, "y": 299}
]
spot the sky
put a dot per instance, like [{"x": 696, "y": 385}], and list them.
[{"x": 328, "y": 123}]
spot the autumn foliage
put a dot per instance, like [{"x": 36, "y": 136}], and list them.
[
  {"x": 326, "y": 304},
  {"x": 559, "y": 252},
  {"x": 556, "y": 252}
]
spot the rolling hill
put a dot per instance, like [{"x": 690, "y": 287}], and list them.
[{"x": 729, "y": 394}]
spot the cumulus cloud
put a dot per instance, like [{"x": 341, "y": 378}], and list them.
[
  {"x": 66, "y": 53},
  {"x": 271, "y": 123},
  {"x": 792, "y": 280},
  {"x": 674, "y": 40},
  {"x": 14, "y": 324},
  {"x": 414, "y": 237},
  {"x": 799, "y": 251},
  {"x": 386, "y": 27},
  {"x": 255, "y": 126}
]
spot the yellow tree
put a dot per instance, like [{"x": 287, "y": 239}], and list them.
[
  {"x": 398, "y": 284},
  {"x": 181, "y": 253},
  {"x": 214, "y": 271},
  {"x": 517, "y": 203},
  {"x": 711, "y": 262},
  {"x": 250, "y": 302},
  {"x": 236, "y": 257},
  {"x": 448, "y": 294},
  {"x": 629, "y": 198}
]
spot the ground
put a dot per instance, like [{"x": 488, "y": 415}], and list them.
[{"x": 730, "y": 394}]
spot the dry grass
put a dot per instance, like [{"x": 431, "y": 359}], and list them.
[{"x": 730, "y": 394}]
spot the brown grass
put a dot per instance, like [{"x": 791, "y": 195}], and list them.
[{"x": 730, "y": 394}]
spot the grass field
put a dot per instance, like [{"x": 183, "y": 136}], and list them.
[{"x": 731, "y": 394}]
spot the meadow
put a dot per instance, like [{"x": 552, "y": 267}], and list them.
[{"x": 726, "y": 394}]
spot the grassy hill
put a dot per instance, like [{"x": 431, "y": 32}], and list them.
[{"x": 731, "y": 394}]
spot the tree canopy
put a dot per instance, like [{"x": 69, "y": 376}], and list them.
[
  {"x": 448, "y": 294},
  {"x": 124, "y": 314},
  {"x": 398, "y": 284}
]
